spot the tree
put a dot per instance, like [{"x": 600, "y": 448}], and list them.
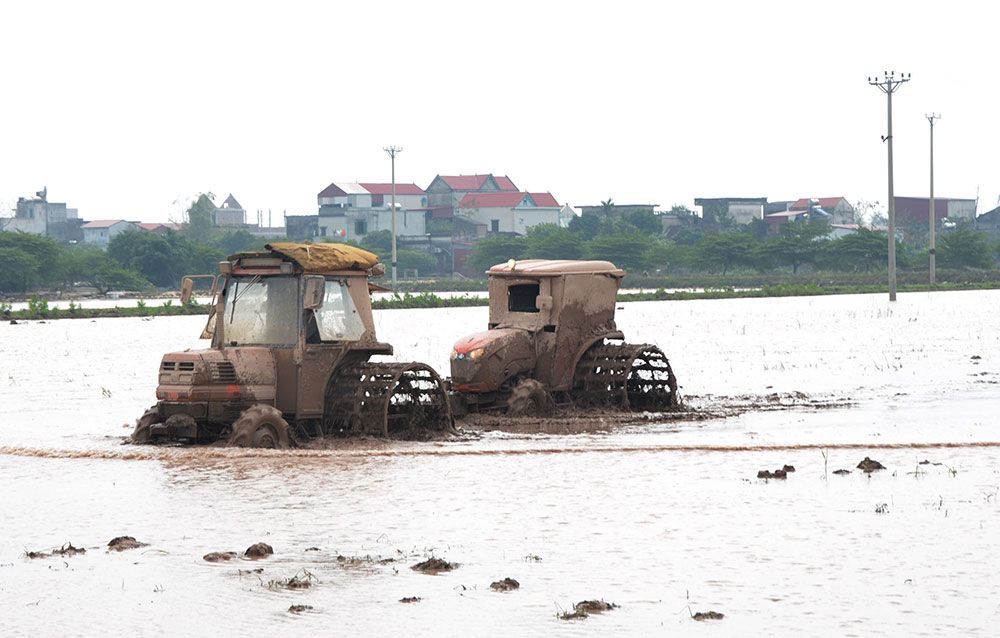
[
  {"x": 965, "y": 247},
  {"x": 587, "y": 226},
  {"x": 607, "y": 208},
  {"x": 95, "y": 268},
  {"x": 548, "y": 241},
  {"x": 236, "y": 242},
  {"x": 19, "y": 270},
  {"x": 378, "y": 241},
  {"x": 199, "y": 217},
  {"x": 423, "y": 263},
  {"x": 46, "y": 265},
  {"x": 645, "y": 221},
  {"x": 625, "y": 250},
  {"x": 798, "y": 243},
  {"x": 497, "y": 249},
  {"x": 861, "y": 250},
  {"x": 726, "y": 249}
]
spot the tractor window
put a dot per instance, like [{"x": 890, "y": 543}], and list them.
[
  {"x": 262, "y": 310},
  {"x": 338, "y": 319},
  {"x": 521, "y": 298}
]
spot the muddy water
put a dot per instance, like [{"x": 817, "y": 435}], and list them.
[{"x": 659, "y": 518}]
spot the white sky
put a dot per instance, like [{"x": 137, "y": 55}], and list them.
[{"x": 125, "y": 110}]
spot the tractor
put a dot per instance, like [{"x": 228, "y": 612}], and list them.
[
  {"x": 552, "y": 339},
  {"x": 291, "y": 337}
]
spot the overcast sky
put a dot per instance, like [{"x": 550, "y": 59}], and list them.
[{"x": 127, "y": 111}]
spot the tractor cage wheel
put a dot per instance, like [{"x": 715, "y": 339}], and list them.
[
  {"x": 626, "y": 375},
  {"x": 398, "y": 400}
]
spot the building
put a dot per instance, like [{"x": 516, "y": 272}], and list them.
[
  {"x": 99, "y": 232},
  {"x": 617, "y": 211},
  {"x": 989, "y": 222},
  {"x": 39, "y": 216},
  {"x": 230, "y": 214},
  {"x": 350, "y": 210},
  {"x": 915, "y": 212},
  {"x": 838, "y": 209},
  {"x": 508, "y": 212},
  {"x": 738, "y": 210},
  {"x": 157, "y": 227},
  {"x": 302, "y": 227},
  {"x": 445, "y": 192}
]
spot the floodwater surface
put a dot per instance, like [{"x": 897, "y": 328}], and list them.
[{"x": 664, "y": 518}]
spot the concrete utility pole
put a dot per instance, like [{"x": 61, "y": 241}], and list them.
[
  {"x": 888, "y": 85},
  {"x": 933, "y": 275},
  {"x": 393, "y": 151}
]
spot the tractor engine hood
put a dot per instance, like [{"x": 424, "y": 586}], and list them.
[
  {"x": 237, "y": 373},
  {"x": 482, "y": 362}
]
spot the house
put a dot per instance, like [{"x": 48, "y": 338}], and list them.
[
  {"x": 989, "y": 221},
  {"x": 99, "y": 232},
  {"x": 838, "y": 209},
  {"x": 509, "y": 211},
  {"x": 351, "y": 210},
  {"x": 39, "y": 216},
  {"x": 157, "y": 227},
  {"x": 230, "y": 214},
  {"x": 915, "y": 212},
  {"x": 302, "y": 227},
  {"x": 738, "y": 210},
  {"x": 445, "y": 192}
]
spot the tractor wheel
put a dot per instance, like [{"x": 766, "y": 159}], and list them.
[
  {"x": 141, "y": 433},
  {"x": 260, "y": 426},
  {"x": 530, "y": 398}
]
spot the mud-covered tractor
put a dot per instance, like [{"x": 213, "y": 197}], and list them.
[
  {"x": 552, "y": 339},
  {"x": 292, "y": 335}
]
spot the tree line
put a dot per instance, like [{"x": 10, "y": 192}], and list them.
[{"x": 636, "y": 243}]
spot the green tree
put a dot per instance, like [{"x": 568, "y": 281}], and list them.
[
  {"x": 625, "y": 250},
  {"x": 199, "y": 217},
  {"x": 424, "y": 263},
  {"x": 607, "y": 208},
  {"x": 46, "y": 253},
  {"x": 862, "y": 250},
  {"x": 97, "y": 269},
  {"x": 237, "y": 242},
  {"x": 645, "y": 221},
  {"x": 798, "y": 243},
  {"x": 497, "y": 249},
  {"x": 725, "y": 250},
  {"x": 378, "y": 241},
  {"x": 587, "y": 226},
  {"x": 548, "y": 241},
  {"x": 964, "y": 247},
  {"x": 19, "y": 270}
]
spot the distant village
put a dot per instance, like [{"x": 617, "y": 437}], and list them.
[{"x": 453, "y": 212}]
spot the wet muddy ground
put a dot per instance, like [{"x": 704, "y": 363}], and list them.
[{"x": 664, "y": 517}]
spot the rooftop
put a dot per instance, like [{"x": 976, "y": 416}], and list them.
[{"x": 555, "y": 267}]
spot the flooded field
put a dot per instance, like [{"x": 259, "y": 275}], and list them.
[{"x": 664, "y": 518}]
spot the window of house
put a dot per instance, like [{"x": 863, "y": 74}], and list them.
[
  {"x": 495, "y": 225},
  {"x": 521, "y": 298},
  {"x": 378, "y": 200},
  {"x": 322, "y": 232},
  {"x": 360, "y": 228}
]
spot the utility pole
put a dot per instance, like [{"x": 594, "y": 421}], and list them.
[
  {"x": 933, "y": 275},
  {"x": 889, "y": 85},
  {"x": 393, "y": 151}
]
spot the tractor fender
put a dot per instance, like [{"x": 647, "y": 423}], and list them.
[{"x": 614, "y": 335}]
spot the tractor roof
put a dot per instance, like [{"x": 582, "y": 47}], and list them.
[
  {"x": 555, "y": 268},
  {"x": 318, "y": 258}
]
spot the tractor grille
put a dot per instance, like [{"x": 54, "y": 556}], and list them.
[
  {"x": 182, "y": 366},
  {"x": 223, "y": 372}
]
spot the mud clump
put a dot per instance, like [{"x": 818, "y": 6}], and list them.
[
  {"x": 434, "y": 566},
  {"x": 777, "y": 474},
  {"x": 219, "y": 557},
  {"x": 868, "y": 466},
  {"x": 258, "y": 550},
  {"x": 410, "y": 599},
  {"x": 841, "y": 472},
  {"x": 595, "y": 606},
  {"x": 788, "y": 468},
  {"x": 707, "y": 615},
  {"x": 312, "y": 549},
  {"x": 298, "y": 609},
  {"x": 507, "y": 584},
  {"x": 301, "y": 580},
  {"x": 69, "y": 550},
  {"x": 123, "y": 543}
]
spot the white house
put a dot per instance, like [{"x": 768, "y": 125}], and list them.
[
  {"x": 510, "y": 212},
  {"x": 100, "y": 232},
  {"x": 349, "y": 210}
]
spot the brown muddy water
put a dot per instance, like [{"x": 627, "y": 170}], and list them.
[{"x": 662, "y": 517}]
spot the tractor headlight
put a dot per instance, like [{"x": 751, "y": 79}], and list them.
[{"x": 477, "y": 353}]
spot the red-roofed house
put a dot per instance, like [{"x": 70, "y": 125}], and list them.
[
  {"x": 408, "y": 196},
  {"x": 508, "y": 212},
  {"x": 446, "y": 191},
  {"x": 349, "y": 210},
  {"x": 157, "y": 227},
  {"x": 100, "y": 231}
]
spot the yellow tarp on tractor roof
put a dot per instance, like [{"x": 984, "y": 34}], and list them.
[{"x": 325, "y": 257}]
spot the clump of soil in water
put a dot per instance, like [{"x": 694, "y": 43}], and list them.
[
  {"x": 298, "y": 609},
  {"x": 69, "y": 550},
  {"x": 258, "y": 550},
  {"x": 410, "y": 599},
  {"x": 868, "y": 466},
  {"x": 586, "y": 607},
  {"x": 312, "y": 549},
  {"x": 302, "y": 580},
  {"x": 34, "y": 555},
  {"x": 434, "y": 566},
  {"x": 708, "y": 615},
  {"x": 507, "y": 584},
  {"x": 122, "y": 543},
  {"x": 788, "y": 468},
  {"x": 841, "y": 472},
  {"x": 777, "y": 474},
  {"x": 219, "y": 557}
]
